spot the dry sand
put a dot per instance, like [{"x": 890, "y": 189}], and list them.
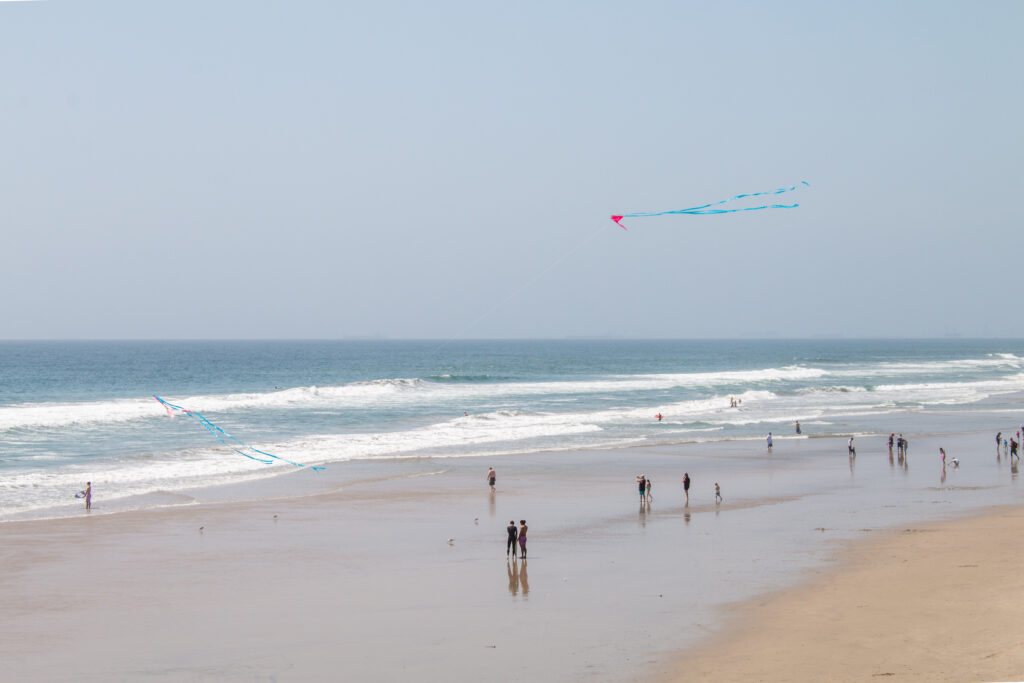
[{"x": 938, "y": 602}]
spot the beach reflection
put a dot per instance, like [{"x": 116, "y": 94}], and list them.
[
  {"x": 513, "y": 576},
  {"x": 644, "y": 509},
  {"x": 517, "y": 577},
  {"x": 491, "y": 506}
]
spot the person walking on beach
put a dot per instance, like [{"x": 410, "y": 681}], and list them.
[
  {"x": 942, "y": 452},
  {"x": 850, "y": 448},
  {"x": 890, "y": 444},
  {"x": 491, "y": 478},
  {"x": 798, "y": 427},
  {"x": 769, "y": 442},
  {"x": 648, "y": 486},
  {"x": 522, "y": 538},
  {"x": 1013, "y": 451},
  {"x": 906, "y": 447},
  {"x": 686, "y": 486},
  {"x": 641, "y": 483},
  {"x": 88, "y": 495},
  {"x": 513, "y": 536},
  {"x": 718, "y": 494}
]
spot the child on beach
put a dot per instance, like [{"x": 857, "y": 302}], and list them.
[
  {"x": 649, "y": 497},
  {"x": 522, "y": 538},
  {"x": 718, "y": 494},
  {"x": 686, "y": 486},
  {"x": 769, "y": 442}
]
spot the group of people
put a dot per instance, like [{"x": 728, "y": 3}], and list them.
[
  {"x": 644, "y": 488},
  {"x": 516, "y": 535},
  {"x": 644, "y": 484},
  {"x": 1013, "y": 444},
  {"x": 901, "y": 445}
]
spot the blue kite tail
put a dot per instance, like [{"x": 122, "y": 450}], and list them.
[
  {"x": 224, "y": 437},
  {"x": 706, "y": 209}
]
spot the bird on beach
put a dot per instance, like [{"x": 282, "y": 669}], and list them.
[
  {"x": 201, "y": 529},
  {"x": 451, "y": 541}
]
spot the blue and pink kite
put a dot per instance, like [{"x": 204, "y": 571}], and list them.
[
  {"x": 706, "y": 209},
  {"x": 237, "y": 445}
]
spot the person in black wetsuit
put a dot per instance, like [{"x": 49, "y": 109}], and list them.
[{"x": 513, "y": 535}]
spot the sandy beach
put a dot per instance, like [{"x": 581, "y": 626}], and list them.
[
  {"x": 381, "y": 577},
  {"x": 934, "y": 602}
]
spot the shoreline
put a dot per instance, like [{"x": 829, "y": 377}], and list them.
[{"x": 934, "y": 601}]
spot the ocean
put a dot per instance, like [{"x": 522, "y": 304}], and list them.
[{"x": 77, "y": 411}]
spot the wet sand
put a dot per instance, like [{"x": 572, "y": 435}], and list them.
[
  {"x": 937, "y": 602},
  {"x": 362, "y": 582}
]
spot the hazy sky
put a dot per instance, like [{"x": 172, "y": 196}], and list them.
[{"x": 330, "y": 169}]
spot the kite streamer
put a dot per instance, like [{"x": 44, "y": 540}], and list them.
[
  {"x": 706, "y": 209},
  {"x": 224, "y": 437}
]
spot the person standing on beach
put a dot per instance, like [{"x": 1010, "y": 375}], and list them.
[
  {"x": 88, "y": 495},
  {"x": 942, "y": 452},
  {"x": 513, "y": 535},
  {"x": 906, "y": 446},
  {"x": 522, "y": 538},
  {"x": 798, "y": 427},
  {"x": 686, "y": 486},
  {"x": 999, "y": 441},
  {"x": 769, "y": 442},
  {"x": 718, "y": 494},
  {"x": 890, "y": 444},
  {"x": 649, "y": 496},
  {"x": 852, "y": 450},
  {"x": 491, "y": 478},
  {"x": 641, "y": 482}
]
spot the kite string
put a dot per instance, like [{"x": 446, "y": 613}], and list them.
[{"x": 521, "y": 288}]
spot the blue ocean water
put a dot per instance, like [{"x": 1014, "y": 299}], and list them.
[{"x": 77, "y": 411}]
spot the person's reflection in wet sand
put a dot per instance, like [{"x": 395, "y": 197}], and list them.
[
  {"x": 686, "y": 516},
  {"x": 1013, "y": 468},
  {"x": 513, "y": 576},
  {"x": 490, "y": 505},
  {"x": 644, "y": 507},
  {"x": 942, "y": 479},
  {"x": 524, "y": 580}
]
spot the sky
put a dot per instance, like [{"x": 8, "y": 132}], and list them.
[{"x": 445, "y": 170}]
